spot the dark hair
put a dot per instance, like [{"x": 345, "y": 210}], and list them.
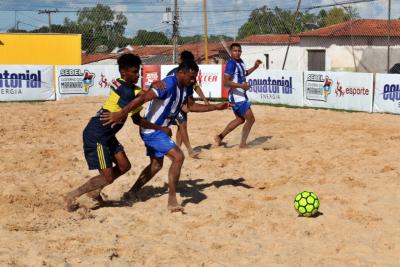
[
  {"x": 129, "y": 60},
  {"x": 186, "y": 55},
  {"x": 188, "y": 66},
  {"x": 235, "y": 45}
]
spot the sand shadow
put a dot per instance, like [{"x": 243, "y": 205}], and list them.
[
  {"x": 317, "y": 214},
  {"x": 259, "y": 140},
  {"x": 191, "y": 190}
]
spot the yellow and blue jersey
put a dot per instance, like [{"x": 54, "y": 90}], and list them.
[{"x": 120, "y": 95}]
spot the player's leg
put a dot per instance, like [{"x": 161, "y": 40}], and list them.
[
  {"x": 122, "y": 165},
  {"x": 229, "y": 128},
  {"x": 97, "y": 182},
  {"x": 145, "y": 176},
  {"x": 249, "y": 117},
  {"x": 98, "y": 157},
  {"x": 177, "y": 157}
]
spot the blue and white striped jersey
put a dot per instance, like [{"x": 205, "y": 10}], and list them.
[
  {"x": 163, "y": 109},
  {"x": 237, "y": 72}
]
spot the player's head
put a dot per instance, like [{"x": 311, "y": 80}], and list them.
[
  {"x": 187, "y": 73},
  {"x": 129, "y": 67},
  {"x": 236, "y": 50},
  {"x": 186, "y": 56}
]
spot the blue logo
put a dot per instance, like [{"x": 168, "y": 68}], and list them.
[{"x": 18, "y": 80}]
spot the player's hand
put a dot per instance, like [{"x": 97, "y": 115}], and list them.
[
  {"x": 257, "y": 63},
  {"x": 112, "y": 118},
  {"x": 158, "y": 85},
  {"x": 245, "y": 86},
  {"x": 167, "y": 130}
]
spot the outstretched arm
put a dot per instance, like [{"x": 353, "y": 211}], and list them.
[
  {"x": 194, "y": 107},
  {"x": 256, "y": 65},
  {"x": 114, "y": 117},
  {"x": 139, "y": 120},
  {"x": 198, "y": 90}
]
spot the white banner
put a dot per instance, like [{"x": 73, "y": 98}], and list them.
[
  {"x": 276, "y": 87},
  {"x": 209, "y": 78},
  {"x": 387, "y": 93},
  {"x": 338, "y": 90},
  {"x": 29, "y": 82},
  {"x": 77, "y": 80}
]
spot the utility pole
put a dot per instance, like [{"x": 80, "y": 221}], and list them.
[
  {"x": 48, "y": 12},
  {"x": 291, "y": 32},
  {"x": 175, "y": 29},
  {"x": 389, "y": 32},
  {"x": 205, "y": 32}
]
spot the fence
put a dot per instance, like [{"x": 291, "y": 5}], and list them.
[{"x": 158, "y": 29}]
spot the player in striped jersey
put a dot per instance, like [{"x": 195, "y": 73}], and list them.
[
  {"x": 162, "y": 110},
  {"x": 235, "y": 78}
]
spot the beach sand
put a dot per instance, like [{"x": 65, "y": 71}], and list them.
[{"x": 238, "y": 203}]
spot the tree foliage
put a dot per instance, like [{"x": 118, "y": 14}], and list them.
[{"x": 279, "y": 21}]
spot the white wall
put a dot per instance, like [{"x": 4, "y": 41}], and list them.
[{"x": 276, "y": 56}]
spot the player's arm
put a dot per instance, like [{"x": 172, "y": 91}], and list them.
[
  {"x": 139, "y": 120},
  {"x": 198, "y": 90},
  {"x": 256, "y": 64},
  {"x": 229, "y": 83},
  {"x": 195, "y": 107},
  {"x": 112, "y": 118}
]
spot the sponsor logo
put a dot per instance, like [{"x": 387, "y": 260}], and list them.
[
  {"x": 11, "y": 83},
  {"x": 318, "y": 87},
  {"x": 74, "y": 81},
  {"x": 206, "y": 77},
  {"x": 391, "y": 92},
  {"x": 269, "y": 88},
  {"x": 149, "y": 78},
  {"x": 104, "y": 81},
  {"x": 352, "y": 91}
]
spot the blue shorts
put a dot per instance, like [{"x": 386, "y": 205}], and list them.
[
  {"x": 240, "y": 108},
  {"x": 100, "y": 144},
  {"x": 158, "y": 144}
]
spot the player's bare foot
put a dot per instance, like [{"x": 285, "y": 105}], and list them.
[
  {"x": 244, "y": 146},
  {"x": 194, "y": 154},
  {"x": 95, "y": 196},
  {"x": 217, "y": 141},
  {"x": 173, "y": 205},
  {"x": 70, "y": 203}
]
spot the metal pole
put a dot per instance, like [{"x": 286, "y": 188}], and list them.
[
  {"x": 175, "y": 32},
  {"x": 205, "y": 32},
  {"x": 389, "y": 33},
  {"x": 291, "y": 32}
]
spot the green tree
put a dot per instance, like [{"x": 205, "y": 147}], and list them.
[
  {"x": 337, "y": 15},
  {"x": 100, "y": 26},
  {"x": 144, "y": 37}
]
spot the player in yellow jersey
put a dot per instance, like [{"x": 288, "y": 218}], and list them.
[{"x": 101, "y": 147}]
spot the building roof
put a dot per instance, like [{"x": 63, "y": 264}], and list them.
[
  {"x": 271, "y": 39},
  {"x": 90, "y": 58},
  {"x": 360, "y": 27}
]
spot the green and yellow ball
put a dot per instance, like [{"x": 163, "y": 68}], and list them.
[{"x": 306, "y": 203}]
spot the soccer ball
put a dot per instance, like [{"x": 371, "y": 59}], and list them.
[{"x": 306, "y": 203}]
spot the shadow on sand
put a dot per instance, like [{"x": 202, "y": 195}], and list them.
[{"x": 191, "y": 190}]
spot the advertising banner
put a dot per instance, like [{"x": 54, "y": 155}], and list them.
[
  {"x": 338, "y": 90},
  {"x": 209, "y": 78},
  {"x": 276, "y": 87},
  {"x": 387, "y": 93},
  {"x": 150, "y": 74},
  {"x": 25, "y": 83},
  {"x": 80, "y": 80}
]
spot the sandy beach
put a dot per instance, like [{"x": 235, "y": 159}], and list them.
[{"x": 238, "y": 202}]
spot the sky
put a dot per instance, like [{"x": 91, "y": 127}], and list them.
[{"x": 223, "y": 17}]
